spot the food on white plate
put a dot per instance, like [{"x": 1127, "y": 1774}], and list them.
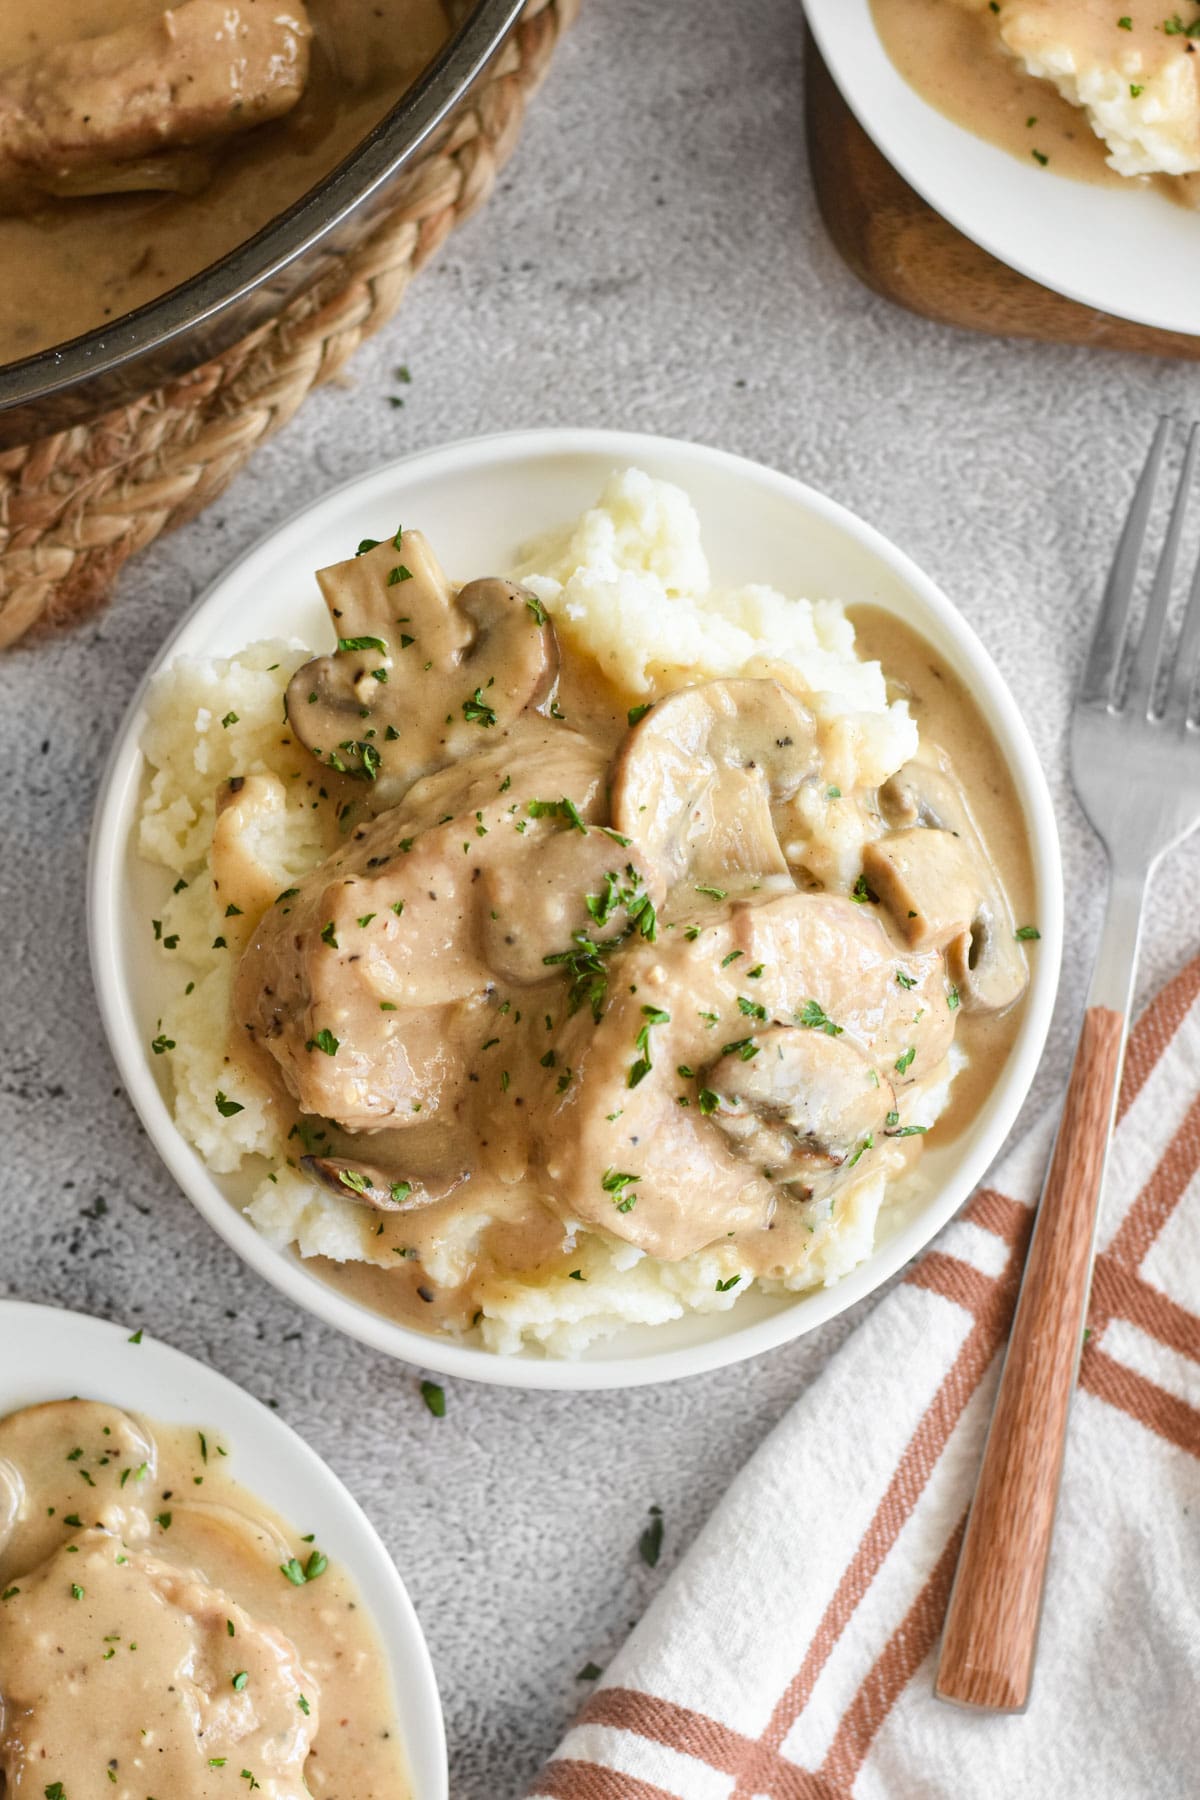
[
  {"x": 162, "y": 1633},
  {"x": 1078, "y": 86},
  {"x": 140, "y": 142},
  {"x": 578, "y": 948}
]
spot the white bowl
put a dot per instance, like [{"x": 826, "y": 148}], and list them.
[
  {"x": 1127, "y": 250},
  {"x": 46, "y": 1354},
  {"x": 478, "y": 501}
]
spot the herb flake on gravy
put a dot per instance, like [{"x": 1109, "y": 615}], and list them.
[
  {"x": 162, "y": 1633},
  {"x": 618, "y": 952}
]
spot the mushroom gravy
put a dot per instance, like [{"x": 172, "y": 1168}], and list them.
[
  {"x": 577, "y": 970},
  {"x": 139, "y": 144},
  {"x": 951, "y": 52},
  {"x": 158, "y": 1634}
]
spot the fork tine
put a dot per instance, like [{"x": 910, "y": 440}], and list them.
[
  {"x": 1140, "y": 697},
  {"x": 1112, "y": 625},
  {"x": 1187, "y": 657}
]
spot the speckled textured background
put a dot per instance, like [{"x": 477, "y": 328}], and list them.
[{"x": 653, "y": 260}]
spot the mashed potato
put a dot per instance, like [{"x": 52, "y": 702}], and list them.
[
  {"x": 1137, "y": 81},
  {"x": 628, "y": 586}
]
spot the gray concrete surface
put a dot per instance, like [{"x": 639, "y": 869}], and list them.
[{"x": 652, "y": 260}]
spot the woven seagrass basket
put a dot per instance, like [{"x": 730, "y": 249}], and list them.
[{"x": 75, "y": 504}]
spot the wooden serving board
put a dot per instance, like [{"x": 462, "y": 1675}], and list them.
[{"x": 899, "y": 246}]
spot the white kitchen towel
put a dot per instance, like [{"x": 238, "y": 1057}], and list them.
[{"x": 791, "y": 1655}]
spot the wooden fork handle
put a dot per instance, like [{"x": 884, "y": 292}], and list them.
[{"x": 992, "y": 1620}]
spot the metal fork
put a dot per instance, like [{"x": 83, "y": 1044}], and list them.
[{"x": 1135, "y": 756}]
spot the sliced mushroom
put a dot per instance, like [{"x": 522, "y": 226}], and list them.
[
  {"x": 931, "y": 882},
  {"x": 636, "y": 1144},
  {"x": 939, "y": 867},
  {"x": 366, "y": 1186},
  {"x": 804, "y": 1104},
  {"x": 697, "y": 777},
  {"x": 420, "y": 677}
]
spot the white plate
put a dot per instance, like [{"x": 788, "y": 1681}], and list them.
[
  {"x": 478, "y": 501},
  {"x": 46, "y": 1354},
  {"x": 1128, "y": 251}
]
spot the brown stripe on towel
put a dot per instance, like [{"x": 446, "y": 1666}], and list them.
[{"x": 1154, "y": 1031}]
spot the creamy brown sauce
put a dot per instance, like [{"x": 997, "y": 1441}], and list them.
[
  {"x": 948, "y": 715},
  {"x": 86, "y": 261},
  {"x": 150, "y": 1644},
  {"x": 740, "y": 1032},
  {"x": 952, "y": 54}
]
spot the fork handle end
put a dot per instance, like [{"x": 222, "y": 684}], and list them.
[{"x": 992, "y": 1620}]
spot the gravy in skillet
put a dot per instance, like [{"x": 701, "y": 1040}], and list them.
[{"x": 139, "y": 143}]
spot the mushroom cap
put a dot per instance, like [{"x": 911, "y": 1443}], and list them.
[
  {"x": 933, "y": 866},
  {"x": 420, "y": 672},
  {"x": 802, "y": 1105},
  {"x": 362, "y": 1185},
  {"x": 796, "y": 964},
  {"x": 696, "y": 778}
]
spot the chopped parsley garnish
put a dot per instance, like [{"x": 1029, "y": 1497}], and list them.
[
  {"x": 76, "y": 1591},
  {"x": 363, "y": 643},
  {"x": 434, "y": 1398},
  {"x": 398, "y": 574},
  {"x": 732, "y": 957},
  {"x": 1027, "y": 934},
  {"x": 161, "y": 1044},
  {"x": 906, "y": 981},
  {"x": 298, "y": 1573},
  {"x": 952, "y": 999},
  {"x": 904, "y": 1062},
  {"x": 366, "y": 544},
  {"x": 751, "y": 1008},
  {"x": 325, "y": 1041},
  {"x": 813, "y": 1015},
  {"x": 714, "y": 893},
  {"x": 863, "y": 1144},
  {"x": 617, "y": 1183},
  {"x": 476, "y": 711},
  {"x": 723, "y": 1287},
  {"x": 650, "y": 1542},
  {"x": 227, "y": 1108},
  {"x": 744, "y": 1048},
  {"x": 639, "y": 712},
  {"x": 558, "y": 809},
  {"x": 230, "y": 718},
  {"x": 329, "y": 935},
  {"x": 536, "y": 608},
  {"x": 862, "y": 894}
]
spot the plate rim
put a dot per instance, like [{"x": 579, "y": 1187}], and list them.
[
  {"x": 107, "y": 848},
  {"x": 831, "y": 23},
  {"x": 414, "y": 1682}
]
